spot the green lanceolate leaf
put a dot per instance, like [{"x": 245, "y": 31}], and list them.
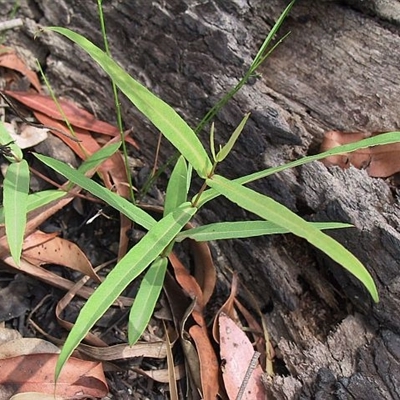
[
  {"x": 15, "y": 195},
  {"x": 232, "y": 140},
  {"x": 99, "y": 157},
  {"x": 128, "y": 269},
  {"x": 119, "y": 203},
  {"x": 37, "y": 200},
  {"x": 385, "y": 138},
  {"x": 146, "y": 299},
  {"x": 259, "y": 58},
  {"x": 163, "y": 116},
  {"x": 244, "y": 229},
  {"x": 271, "y": 210},
  {"x": 177, "y": 188}
]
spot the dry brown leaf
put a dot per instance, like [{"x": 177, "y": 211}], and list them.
[
  {"x": 76, "y": 116},
  {"x": 35, "y": 372},
  {"x": 125, "y": 351},
  {"x": 36, "y": 396},
  {"x": 227, "y": 307},
  {"x": 209, "y": 368},
  {"x": 172, "y": 378},
  {"x": 25, "y": 346},
  {"x": 379, "y": 161},
  {"x": 28, "y": 365},
  {"x": 204, "y": 272},
  {"x": 7, "y": 335},
  {"x": 236, "y": 354},
  {"x": 63, "y": 303},
  {"x": 27, "y": 136},
  {"x": 9, "y": 59},
  {"x": 43, "y": 248},
  {"x": 56, "y": 280},
  {"x": 161, "y": 375}
]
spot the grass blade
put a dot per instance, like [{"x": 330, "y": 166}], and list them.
[
  {"x": 99, "y": 157},
  {"x": 226, "y": 149},
  {"x": 146, "y": 299},
  {"x": 177, "y": 188},
  {"x": 271, "y": 210},
  {"x": 244, "y": 229},
  {"x": 15, "y": 196},
  {"x": 385, "y": 138},
  {"x": 163, "y": 116},
  {"x": 129, "y": 268},
  {"x": 119, "y": 203}
]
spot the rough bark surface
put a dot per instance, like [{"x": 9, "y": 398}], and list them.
[{"x": 339, "y": 69}]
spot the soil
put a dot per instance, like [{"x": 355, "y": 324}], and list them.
[{"x": 338, "y": 69}]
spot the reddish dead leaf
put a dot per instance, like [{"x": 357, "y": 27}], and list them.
[
  {"x": 236, "y": 354},
  {"x": 35, "y": 372},
  {"x": 257, "y": 332},
  {"x": 379, "y": 161},
  {"x": 227, "y": 308},
  {"x": 76, "y": 116},
  {"x": 204, "y": 271},
  {"x": 209, "y": 368},
  {"x": 112, "y": 171},
  {"x": 10, "y": 60},
  {"x": 42, "y": 248}
]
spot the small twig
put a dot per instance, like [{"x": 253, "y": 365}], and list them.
[
  {"x": 11, "y": 24},
  {"x": 246, "y": 378}
]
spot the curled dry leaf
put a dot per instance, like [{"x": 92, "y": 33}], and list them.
[
  {"x": 29, "y": 136},
  {"x": 44, "y": 248},
  {"x": 161, "y": 375},
  {"x": 209, "y": 368},
  {"x": 227, "y": 308},
  {"x": 378, "y": 161},
  {"x": 8, "y": 59}
]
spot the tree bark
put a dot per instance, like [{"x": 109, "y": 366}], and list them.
[{"x": 338, "y": 69}]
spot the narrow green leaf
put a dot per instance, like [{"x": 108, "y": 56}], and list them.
[
  {"x": 146, "y": 299},
  {"x": 99, "y": 157},
  {"x": 222, "y": 154},
  {"x": 244, "y": 229},
  {"x": 271, "y": 210},
  {"x": 260, "y": 55},
  {"x": 119, "y": 203},
  {"x": 36, "y": 200},
  {"x": 163, "y": 116},
  {"x": 15, "y": 195},
  {"x": 385, "y": 138},
  {"x": 129, "y": 268},
  {"x": 177, "y": 188}
]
